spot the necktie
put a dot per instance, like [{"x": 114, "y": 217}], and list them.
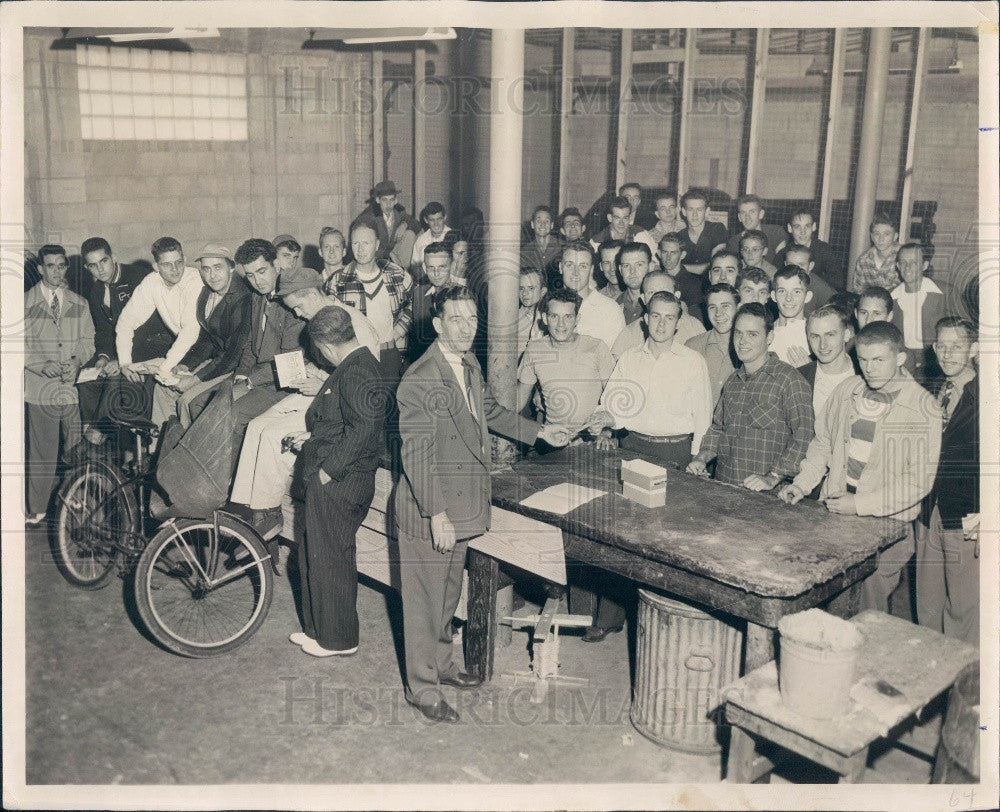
[
  {"x": 946, "y": 394},
  {"x": 468, "y": 392},
  {"x": 55, "y": 307}
]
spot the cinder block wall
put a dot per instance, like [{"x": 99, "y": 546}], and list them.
[{"x": 306, "y": 162}]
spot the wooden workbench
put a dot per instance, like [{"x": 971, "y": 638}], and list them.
[{"x": 732, "y": 550}]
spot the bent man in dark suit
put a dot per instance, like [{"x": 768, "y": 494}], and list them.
[
  {"x": 337, "y": 463},
  {"x": 443, "y": 499}
]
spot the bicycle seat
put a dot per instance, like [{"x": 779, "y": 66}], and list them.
[{"x": 137, "y": 424}]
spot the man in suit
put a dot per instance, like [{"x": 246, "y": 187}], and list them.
[
  {"x": 223, "y": 313},
  {"x": 395, "y": 230},
  {"x": 58, "y": 339},
  {"x": 947, "y": 532},
  {"x": 111, "y": 288},
  {"x": 336, "y": 473},
  {"x": 274, "y": 329},
  {"x": 443, "y": 498}
]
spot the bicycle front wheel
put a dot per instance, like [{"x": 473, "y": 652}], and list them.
[
  {"x": 95, "y": 510},
  {"x": 203, "y": 587}
]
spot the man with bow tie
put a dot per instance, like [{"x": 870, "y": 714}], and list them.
[{"x": 443, "y": 498}]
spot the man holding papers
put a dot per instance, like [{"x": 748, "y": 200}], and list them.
[{"x": 443, "y": 498}]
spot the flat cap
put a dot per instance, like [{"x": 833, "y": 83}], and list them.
[
  {"x": 212, "y": 251},
  {"x": 298, "y": 279},
  {"x": 283, "y": 238}
]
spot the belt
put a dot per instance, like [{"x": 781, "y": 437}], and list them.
[{"x": 662, "y": 438}]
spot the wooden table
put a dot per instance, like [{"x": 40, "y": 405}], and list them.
[
  {"x": 736, "y": 551},
  {"x": 916, "y": 662}
]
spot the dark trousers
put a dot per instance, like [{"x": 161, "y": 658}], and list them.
[
  {"x": 609, "y": 614},
  {"x": 328, "y": 558},
  {"x": 431, "y": 588},
  {"x": 46, "y": 424}
]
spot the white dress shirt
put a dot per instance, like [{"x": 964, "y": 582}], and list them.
[
  {"x": 177, "y": 306},
  {"x": 632, "y": 336},
  {"x": 601, "y": 318},
  {"x": 788, "y": 335},
  {"x": 661, "y": 396}
]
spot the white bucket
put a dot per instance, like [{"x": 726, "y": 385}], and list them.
[{"x": 816, "y": 664}]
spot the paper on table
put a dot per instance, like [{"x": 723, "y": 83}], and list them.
[
  {"x": 291, "y": 368},
  {"x": 88, "y": 374},
  {"x": 526, "y": 543},
  {"x": 562, "y": 498}
]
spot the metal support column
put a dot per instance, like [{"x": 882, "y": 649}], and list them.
[
  {"x": 504, "y": 234},
  {"x": 419, "y": 128},
  {"x": 565, "y": 109},
  {"x": 378, "y": 117},
  {"x": 870, "y": 148},
  {"x": 757, "y": 105},
  {"x": 833, "y": 110},
  {"x": 911, "y": 135},
  {"x": 686, "y": 101},
  {"x": 624, "y": 95}
]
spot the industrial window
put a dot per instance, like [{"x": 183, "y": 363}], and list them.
[{"x": 134, "y": 94}]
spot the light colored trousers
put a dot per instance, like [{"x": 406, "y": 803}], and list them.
[
  {"x": 167, "y": 402},
  {"x": 877, "y": 587},
  {"x": 263, "y": 473},
  {"x": 947, "y": 581}
]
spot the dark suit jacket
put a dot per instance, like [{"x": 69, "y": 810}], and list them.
[
  {"x": 282, "y": 333},
  {"x": 347, "y": 421},
  {"x": 956, "y": 487},
  {"x": 106, "y": 318},
  {"x": 224, "y": 333},
  {"x": 446, "y": 452}
]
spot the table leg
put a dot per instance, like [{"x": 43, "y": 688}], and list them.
[
  {"x": 481, "y": 626},
  {"x": 848, "y": 603},
  {"x": 855, "y": 768},
  {"x": 759, "y": 647},
  {"x": 739, "y": 763}
]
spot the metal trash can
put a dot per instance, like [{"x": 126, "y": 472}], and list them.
[
  {"x": 683, "y": 658},
  {"x": 957, "y": 760}
]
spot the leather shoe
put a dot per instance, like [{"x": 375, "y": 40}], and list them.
[
  {"x": 440, "y": 711},
  {"x": 461, "y": 680},
  {"x": 595, "y": 634}
]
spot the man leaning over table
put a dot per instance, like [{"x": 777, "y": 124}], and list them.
[
  {"x": 878, "y": 443},
  {"x": 443, "y": 498},
  {"x": 763, "y": 421}
]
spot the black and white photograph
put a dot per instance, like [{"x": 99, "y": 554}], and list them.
[{"x": 485, "y": 405}]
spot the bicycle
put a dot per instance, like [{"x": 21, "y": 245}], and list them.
[{"x": 202, "y": 585}]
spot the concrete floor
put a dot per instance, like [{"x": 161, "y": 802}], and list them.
[{"x": 106, "y": 706}]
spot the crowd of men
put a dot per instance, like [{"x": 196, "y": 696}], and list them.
[{"x": 751, "y": 357}]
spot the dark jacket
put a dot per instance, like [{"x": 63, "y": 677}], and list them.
[
  {"x": 223, "y": 334},
  {"x": 281, "y": 333},
  {"x": 106, "y": 318},
  {"x": 956, "y": 487},
  {"x": 347, "y": 422}
]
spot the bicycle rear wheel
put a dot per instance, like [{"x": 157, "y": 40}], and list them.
[
  {"x": 95, "y": 510},
  {"x": 202, "y": 588}
]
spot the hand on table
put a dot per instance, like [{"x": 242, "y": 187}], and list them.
[
  {"x": 554, "y": 434},
  {"x": 605, "y": 442},
  {"x": 600, "y": 419},
  {"x": 442, "y": 533},
  {"x": 791, "y": 495},
  {"x": 697, "y": 467},
  {"x": 844, "y": 504},
  {"x": 755, "y": 482},
  {"x": 108, "y": 368}
]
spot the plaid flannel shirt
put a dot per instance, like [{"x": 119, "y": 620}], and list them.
[
  {"x": 762, "y": 424},
  {"x": 399, "y": 284}
]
